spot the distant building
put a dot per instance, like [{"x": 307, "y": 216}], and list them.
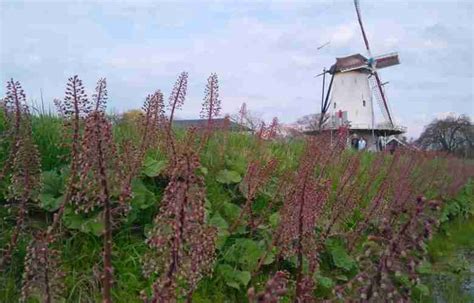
[{"x": 216, "y": 123}]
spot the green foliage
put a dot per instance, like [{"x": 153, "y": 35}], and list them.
[
  {"x": 87, "y": 224},
  {"x": 462, "y": 205},
  {"x": 228, "y": 177},
  {"x": 51, "y": 195},
  {"x": 244, "y": 253},
  {"x": 339, "y": 255},
  {"x": 238, "y": 253},
  {"x": 234, "y": 278},
  {"x": 153, "y": 168}
]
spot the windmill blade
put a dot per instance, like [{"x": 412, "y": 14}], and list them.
[
  {"x": 386, "y": 60},
  {"x": 325, "y": 104},
  {"x": 379, "y": 94},
  {"x": 354, "y": 67},
  {"x": 359, "y": 18}
]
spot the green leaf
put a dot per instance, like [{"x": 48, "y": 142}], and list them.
[
  {"x": 49, "y": 202},
  {"x": 269, "y": 258},
  {"x": 339, "y": 255},
  {"x": 152, "y": 167},
  {"x": 228, "y": 177},
  {"x": 325, "y": 282},
  {"x": 343, "y": 278},
  {"x": 424, "y": 268},
  {"x": 52, "y": 183},
  {"x": 230, "y": 211},
  {"x": 142, "y": 196},
  {"x": 94, "y": 226},
  {"x": 274, "y": 219},
  {"x": 233, "y": 277},
  {"x": 72, "y": 220},
  {"x": 422, "y": 289},
  {"x": 244, "y": 252},
  {"x": 203, "y": 170},
  {"x": 243, "y": 277},
  {"x": 222, "y": 237},
  {"x": 218, "y": 222}
]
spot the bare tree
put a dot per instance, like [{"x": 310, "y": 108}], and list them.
[
  {"x": 454, "y": 134},
  {"x": 247, "y": 118},
  {"x": 312, "y": 122}
]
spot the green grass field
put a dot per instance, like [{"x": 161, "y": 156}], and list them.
[{"x": 224, "y": 162}]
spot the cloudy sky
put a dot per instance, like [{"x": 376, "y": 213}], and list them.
[{"x": 265, "y": 52}]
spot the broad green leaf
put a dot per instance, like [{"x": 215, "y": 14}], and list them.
[
  {"x": 72, "y": 220},
  {"x": 244, "y": 252},
  {"x": 218, "y": 222},
  {"x": 269, "y": 258},
  {"x": 243, "y": 277},
  {"x": 233, "y": 277},
  {"x": 339, "y": 255},
  {"x": 324, "y": 282},
  {"x": 152, "y": 167},
  {"x": 274, "y": 219},
  {"x": 94, "y": 226},
  {"x": 52, "y": 183},
  {"x": 230, "y": 211},
  {"x": 49, "y": 202},
  {"x": 236, "y": 162},
  {"x": 203, "y": 170},
  {"x": 228, "y": 177},
  {"x": 422, "y": 289},
  {"x": 341, "y": 259},
  {"x": 222, "y": 236},
  {"x": 233, "y": 284},
  {"x": 142, "y": 197}
]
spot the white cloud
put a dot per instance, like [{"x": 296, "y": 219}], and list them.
[{"x": 265, "y": 53}]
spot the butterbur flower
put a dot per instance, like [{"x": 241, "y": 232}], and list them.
[
  {"x": 302, "y": 206},
  {"x": 97, "y": 179},
  {"x": 25, "y": 178},
  {"x": 42, "y": 276},
  {"x": 211, "y": 106},
  {"x": 255, "y": 178},
  {"x": 183, "y": 245},
  {"x": 178, "y": 95},
  {"x": 14, "y": 108},
  {"x": 99, "y": 98}
]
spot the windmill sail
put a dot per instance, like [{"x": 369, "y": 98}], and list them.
[
  {"x": 386, "y": 60},
  {"x": 359, "y": 18},
  {"x": 379, "y": 96}
]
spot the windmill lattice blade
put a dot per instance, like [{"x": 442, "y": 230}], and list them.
[
  {"x": 359, "y": 18},
  {"x": 386, "y": 60},
  {"x": 379, "y": 95}
]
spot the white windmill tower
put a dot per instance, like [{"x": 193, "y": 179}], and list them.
[{"x": 354, "y": 85}]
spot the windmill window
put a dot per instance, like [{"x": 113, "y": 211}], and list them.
[{"x": 363, "y": 103}]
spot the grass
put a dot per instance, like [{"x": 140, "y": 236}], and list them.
[
  {"x": 451, "y": 253},
  {"x": 81, "y": 251}
]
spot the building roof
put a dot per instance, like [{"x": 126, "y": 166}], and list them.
[
  {"x": 216, "y": 123},
  {"x": 348, "y": 62}
]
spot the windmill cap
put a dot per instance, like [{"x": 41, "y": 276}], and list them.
[{"x": 349, "y": 62}]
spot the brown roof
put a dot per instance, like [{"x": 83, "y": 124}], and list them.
[{"x": 348, "y": 62}]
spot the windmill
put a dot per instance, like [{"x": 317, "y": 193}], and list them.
[{"x": 354, "y": 84}]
